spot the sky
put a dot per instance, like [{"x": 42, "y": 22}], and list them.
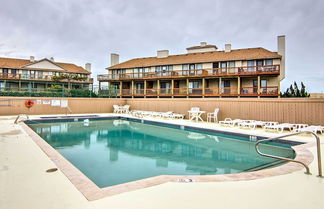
[{"x": 81, "y": 31}]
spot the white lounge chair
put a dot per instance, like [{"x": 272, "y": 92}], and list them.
[
  {"x": 178, "y": 116},
  {"x": 213, "y": 115},
  {"x": 314, "y": 129},
  {"x": 167, "y": 115},
  {"x": 280, "y": 127},
  {"x": 229, "y": 121}
]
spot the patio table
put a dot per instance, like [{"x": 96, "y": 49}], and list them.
[{"x": 196, "y": 115}]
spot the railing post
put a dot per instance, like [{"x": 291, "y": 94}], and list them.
[
  {"x": 158, "y": 87},
  {"x": 172, "y": 87},
  {"x": 203, "y": 87}
]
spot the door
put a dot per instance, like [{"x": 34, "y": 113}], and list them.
[
  {"x": 215, "y": 67},
  {"x": 223, "y": 66},
  {"x": 191, "y": 69},
  {"x": 226, "y": 84},
  {"x": 259, "y": 64},
  {"x": 5, "y": 73},
  {"x": 255, "y": 86}
]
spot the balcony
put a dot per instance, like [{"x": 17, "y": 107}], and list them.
[
  {"x": 28, "y": 77},
  {"x": 201, "y": 73},
  {"x": 199, "y": 92}
]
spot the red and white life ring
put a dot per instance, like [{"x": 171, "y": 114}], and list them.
[{"x": 29, "y": 103}]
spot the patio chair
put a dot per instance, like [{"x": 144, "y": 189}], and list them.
[
  {"x": 213, "y": 115},
  {"x": 279, "y": 127},
  {"x": 117, "y": 109},
  {"x": 125, "y": 109},
  {"x": 193, "y": 109}
]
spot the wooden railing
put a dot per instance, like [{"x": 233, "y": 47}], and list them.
[
  {"x": 16, "y": 76},
  {"x": 225, "y": 91},
  {"x": 251, "y": 70}
]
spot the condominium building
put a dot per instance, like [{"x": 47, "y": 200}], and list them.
[
  {"x": 204, "y": 71},
  {"x": 31, "y": 74}
]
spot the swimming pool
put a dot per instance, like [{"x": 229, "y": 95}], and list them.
[{"x": 112, "y": 151}]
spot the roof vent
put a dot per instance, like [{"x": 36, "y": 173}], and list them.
[
  {"x": 162, "y": 53},
  {"x": 32, "y": 58},
  {"x": 52, "y": 59}
]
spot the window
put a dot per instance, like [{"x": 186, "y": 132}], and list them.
[
  {"x": 264, "y": 83},
  {"x": 165, "y": 85},
  {"x": 259, "y": 63},
  {"x": 199, "y": 66},
  {"x": 250, "y": 63},
  {"x": 194, "y": 84},
  {"x": 268, "y": 62},
  {"x": 164, "y": 68},
  {"x": 231, "y": 64},
  {"x": 185, "y": 67},
  {"x": 13, "y": 71}
]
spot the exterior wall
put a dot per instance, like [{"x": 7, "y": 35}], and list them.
[
  {"x": 309, "y": 111},
  {"x": 247, "y": 82},
  {"x": 213, "y": 83},
  {"x": 77, "y": 105},
  {"x": 271, "y": 81},
  {"x": 45, "y": 65},
  {"x": 177, "y": 67},
  {"x": 207, "y": 65},
  {"x": 211, "y": 49},
  {"x": 301, "y": 110}
]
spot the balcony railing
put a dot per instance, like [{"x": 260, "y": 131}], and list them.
[
  {"x": 212, "y": 72},
  {"x": 224, "y": 91},
  {"x": 15, "y": 76}
]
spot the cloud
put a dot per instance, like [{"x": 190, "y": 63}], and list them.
[{"x": 82, "y": 31}]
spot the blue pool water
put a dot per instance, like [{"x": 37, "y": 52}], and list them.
[{"x": 115, "y": 151}]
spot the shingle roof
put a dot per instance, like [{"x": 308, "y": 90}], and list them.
[
  {"x": 203, "y": 57},
  {"x": 21, "y": 64}
]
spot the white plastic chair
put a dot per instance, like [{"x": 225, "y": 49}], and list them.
[{"x": 213, "y": 115}]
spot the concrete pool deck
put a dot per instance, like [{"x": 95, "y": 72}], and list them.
[{"x": 25, "y": 183}]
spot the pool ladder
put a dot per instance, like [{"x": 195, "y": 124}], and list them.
[
  {"x": 318, "y": 146},
  {"x": 18, "y": 116}
]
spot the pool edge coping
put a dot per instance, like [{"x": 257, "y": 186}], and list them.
[{"x": 92, "y": 192}]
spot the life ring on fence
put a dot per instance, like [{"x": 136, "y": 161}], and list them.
[{"x": 29, "y": 103}]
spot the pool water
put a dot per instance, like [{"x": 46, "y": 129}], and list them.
[{"x": 115, "y": 151}]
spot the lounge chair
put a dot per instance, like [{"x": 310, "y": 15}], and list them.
[
  {"x": 213, "y": 115},
  {"x": 314, "y": 129},
  {"x": 280, "y": 127},
  {"x": 229, "y": 121},
  {"x": 178, "y": 116}
]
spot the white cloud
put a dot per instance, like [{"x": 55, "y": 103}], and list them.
[{"x": 83, "y": 31}]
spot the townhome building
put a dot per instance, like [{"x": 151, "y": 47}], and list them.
[
  {"x": 35, "y": 75},
  {"x": 204, "y": 71}
]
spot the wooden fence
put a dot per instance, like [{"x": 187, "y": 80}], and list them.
[{"x": 309, "y": 111}]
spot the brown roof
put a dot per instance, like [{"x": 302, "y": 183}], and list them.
[
  {"x": 216, "y": 56},
  {"x": 202, "y": 47},
  {"x": 23, "y": 64}
]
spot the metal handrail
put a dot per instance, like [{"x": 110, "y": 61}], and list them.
[
  {"x": 16, "y": 121},
  {"x": 318, "y": 145}
]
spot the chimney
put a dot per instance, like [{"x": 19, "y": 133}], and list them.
[
  {"x": 32, "y": 58},
  {"x": 52, "y": 59},
  {"x": 162, "y": 53},
  {"x": 228, "y": 47},
  {"x": 114, "y": 59},
  {"x": 203, "y": 43},
  {"x": 282, "y": 52},
  {"x": 88, "y": 67}
]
